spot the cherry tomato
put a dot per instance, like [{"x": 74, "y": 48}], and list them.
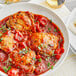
[
  {"x": 62, "y": 50},
  {"x": 38, "y": 56},
  {"x": 58, "y": 56},
  {"x": 22, "y": 44},
  {"x": 18, "y": 36},
  {"x": 43, "y": 21},
  {"x": 13, "y": 72},
  {"x": 57, "y": 51},
  {"x": 37, "y": 26}
]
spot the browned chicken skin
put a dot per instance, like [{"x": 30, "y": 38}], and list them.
[
  {"x": 24, "y": 59},
  {"x": 21, "y": 21},
  {"x": 43, "y": 43}
]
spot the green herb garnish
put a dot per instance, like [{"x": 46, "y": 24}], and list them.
[
  {"x": 47, "y": 58},
  {"x": 50, "y": 21},
  {"x": 1, "y": 34},
  {"x": 48, "y": 65},
  {"x": 34, "y": 59},
  {"x": 9, "y": 67},
  {"x": 9, "y": 28},
  {"x": 39, "y": 47},
  {"x": 52, "y": 67},
  {"x": 45, "y": 46},
  {"x": 55, "y": 30},
  {"x": 5, "y": 69},
  {"x": 10, "y": 59},
  {"x": 40, "y": 59},
  {"x": 49, "y": 29},
  {"x": 1, "y": 39},
  {"x": 26, "y": 52}
]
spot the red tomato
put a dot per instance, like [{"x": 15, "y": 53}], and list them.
[
  {"x": 38, "y": 56},
  {"x": 22, "y": 45},
  {"x": 57, "y": 51},
  {"x": 43, "y": 21},
  {"x": 18, "y": 36},
  {"x": 13, "y": 72},
  {"x": 37, "y": 26},
  {"x": 62, "y": 50},
  {"x": 58, "y": 56}
]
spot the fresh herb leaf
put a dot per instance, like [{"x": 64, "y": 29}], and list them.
[
  {"x": 48, "y": 65},
  {"x": 40, "y": 59},
  {"x": 1, "y": 34},
  {"x": 9, "y": 67},
  {"x": 45, "y": 46},
  {"x": 23, "y": 49},
  {"x": 39, "y": 47},
  {"x": 49, "y": 29},
  {"x": 18, "y": 66},
  {"x": 26, "y": 52},
  {"x": 20, "y": 52},
  {"x": 60, "y": 40},
  {"x": 10, "y": 59},
  {"x": 5, "y": 69},
  {"x": 50, "y": 21},
  {"x": 52, "y": 67},
  {"x": 1, "y": 39},
  {"x": 34, "y": 59},
  {"x": 9, "y": 28},
  {"x": 55, "y": 30},
  {"x": 29, "y": 49}
]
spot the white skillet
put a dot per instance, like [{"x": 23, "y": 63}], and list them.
[{"x": 38, "y": 9}]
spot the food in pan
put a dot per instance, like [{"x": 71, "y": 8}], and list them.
[{"x": 30, "y": 44}]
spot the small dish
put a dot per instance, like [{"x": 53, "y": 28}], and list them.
[{"x": 72, "y": 35}]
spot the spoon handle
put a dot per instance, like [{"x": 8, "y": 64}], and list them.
[{"x": 73, "y": 49}]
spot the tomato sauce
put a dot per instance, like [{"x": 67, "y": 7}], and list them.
[{"x": 20, "y": 61}]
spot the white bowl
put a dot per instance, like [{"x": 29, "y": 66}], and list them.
[{"x": 38, "y": 9}]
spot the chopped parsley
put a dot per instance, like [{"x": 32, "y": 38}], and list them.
[
  {"x": 9, "y": 28},
  {"x": 18, "y": 66},
  {"x": 9, "y": 67},
  {"x": 48, "y": 65},
  {"x": 29, "y": 49},
  {"x": 53, "y": 53},
  {"x": 6, "y": 69},
  {"x": 26, "y": 52},
  {"x": 23, "y": 51},
  {"x": 55, "y": 30},
  {"x": 34, "y": 59},
  {"x": 40, "y": 59},
  {"x": 1, "y": 34},
  {"x": 3, "y": 28},
  {"x": 1, "y": 39},
  {"x": 47, "y": 58},
  {"x": 49, "y": 29},
  {"x": 45, "y": 46},
  {"x": 60, "y": 40},
  {"x": 52, "y": 67},
  {"x": 39, "y": 47},
  {"x": 10, "y": 59},
  {"x": 50, "y": 21}
]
